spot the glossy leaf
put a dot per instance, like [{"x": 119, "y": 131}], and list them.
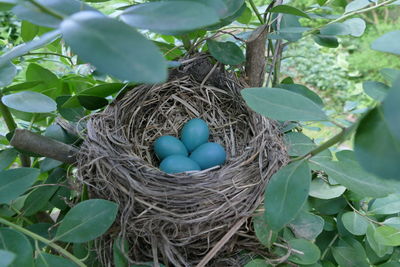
[
  {"x": 18, "y": 244},
  {"x": 380, "y": 156},
  {"x": 356, "y": 26},
  {"x": 92, "y": 102},
  {"x": 380, "y": 250},
  {"x": 87, "y": 221},
  {"x": 388, "y": 43},
  {"x": 46, "y": 260},
  {"x": 226, "y": 52},
  {"x": 376, "y": 90},
  {"x": 21, "y": 86},
  {"x": 307, "y": 225},
  {"x": 120, "y": 249},
  {"x": 7, "y": 157},
  {"x": 70, "y": 114},
  {"x": 321, "y": 189},
  {"x": 14, "y": 182},
  {"x": 311, "y": 252},
  {"x": 304, "y": 91},
  {"x": 103, "y": 90},
  {"x": 30, "y": 12},
  {"x": 282, "y": 105},
  {"x": 289, "y": 10},
  {"x": 28, "y": 101},
  {"x": 26, "y": 47},
  {"x": 355, "y": 223},
  {"x": 356, "y": 5},
  {"x": 350, "y": 175},
  {"x": 335, "y": 29},
  {"x": 170, "y": 17},
  {"x": 328, "y": 206},
  {"x": 48, "y": 79},
  {"x": 6, "y": 258},
  {"x": 7, "y": 73},
  {"x": 386, "y": 205},
  {"x": 387, "y": 236},
  {"x": 349, "y": 257},
  {"x": 327, "y": 41},
  {"x": 120, "y": 50},
  {"x": 393, "y": 221},
  {"x": 292, "y": 180},
  {"x": 28, "y": 31}
]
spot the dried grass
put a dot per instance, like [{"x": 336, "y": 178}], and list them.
[{"x": 178, "y": 219}]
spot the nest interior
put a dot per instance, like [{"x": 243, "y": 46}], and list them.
[{"x": 177, "y": 219}]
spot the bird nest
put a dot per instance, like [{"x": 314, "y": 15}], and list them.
[{"x": 177, "y": 219}]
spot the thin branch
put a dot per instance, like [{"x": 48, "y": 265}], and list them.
[{"x": 254, "y": 7}]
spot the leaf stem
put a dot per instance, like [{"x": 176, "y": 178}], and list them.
[
  {"x": 44, "y": 240},
  {"x": 254, "y": 7},
  {"x": 46, "y": 10},
  {"x": 334, "y": 140}
]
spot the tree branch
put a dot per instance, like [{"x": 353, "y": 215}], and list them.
[{"x": 44, "y": 146}]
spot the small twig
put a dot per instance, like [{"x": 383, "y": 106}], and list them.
[
  {"x": 329, "y": 246},
  {"x": 287, "y": 247},
  {"x": 359, "y": 213},
  {"x": 254, "y": 7}
]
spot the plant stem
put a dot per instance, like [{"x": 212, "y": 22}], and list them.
[
  {"x": 334, "y": 140},
  {"x": 11, "y": 125},
  {"x": 329, "y": 246},
  {"x": 43, "y": 240},
  {"x": 46, "y": 10},
  {"x": 254, "y": 7},
  {"x": 345, "y": 16}
]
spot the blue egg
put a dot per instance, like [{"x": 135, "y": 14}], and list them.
[
  {"x": 178, "y": 163},
  {"x": 195, "y": 133},
  {"x": 167, "y": 145},
  {"x": 209, "y": 155}
]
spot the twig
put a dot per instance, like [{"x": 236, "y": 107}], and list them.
[{"x": 254, "y": 7}]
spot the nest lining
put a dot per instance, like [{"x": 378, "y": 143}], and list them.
[{"x": 177, "y": 218}]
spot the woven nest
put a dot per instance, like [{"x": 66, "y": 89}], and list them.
[{"x": 177, "y": 219}]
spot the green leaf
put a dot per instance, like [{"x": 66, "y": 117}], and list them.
[
  {"x": 304, "y": 91},
  {"x": 328, "y": 206},
  {"x": 120, "y": 248},
  {"x": 87, "y": 221},
  {"x": 28, "y": 31},
  {"x": 28, "y": 101},
  {"x": 376, "y": 90},
  {"x": 327, "y": 41},
  {"x": 282, "y": 105},
  {"x": 390, "y": 74},
  {"x": 321, "y": 2},
  {"x": 26, "y": 10},
  {"x": 45, "y": 230},
  {"x": 393, "y": 221},
  {"x": 226, "y": 52},
  {"x": 387, "y": 236},
  {"x": 26, "y": 47},
  {"x": 356, "y": 5},
  {"x": 7, "y": 73},
  {"x": 246, "y": 16},
  {"x": 103, "y": 90},
  {"x": 56, "y": 132},
  {"x": 6, "y": 258},
  {"x": 388, "y": 43},
  {"x": 379, "y": 249},
  {"x": 311, "y": 252},
  {"x": 292, "y": 180},
  {"x": 92, "y": 102},
  {"x": 321, "y": 189},
  {"x": 289, "y": 21},
  {"x": 71, "y": 114},
  {"x": 120, "y": 50},
  {"x": 170, "y": 17},
  {"x": 257, "y": 263},
  {"x": 263, "y": 232},
  {"x": 381, "y": 155},
  {"x": 48, "y": 79},
  {"x": 307, "y": 225},
  {"x": 335, "y": 29},
  {"x": 350, "y": 175},
  {"x": 7, "y": 157},
  {"x": 356, "y": 26},
  {"x": 14, "y": 182},
  {"x": 386, "y": 205},
  {"x": 355, "y": 223},
  {"x": 21, "y": 86},
  {"x": 348, "y": 257},
  {"x": 289, "y": 10},
  {"x": 18, "y": 244},
  {"x": 391, "y": 110},
  {"x": 47, "y": 260}
]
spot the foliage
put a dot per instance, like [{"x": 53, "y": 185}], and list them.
[{"x": 322, "y": 209}]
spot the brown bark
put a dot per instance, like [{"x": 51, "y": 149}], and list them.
[
  {"x": 44, "y": 146},
  {"x": 255, "y": 57}
]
